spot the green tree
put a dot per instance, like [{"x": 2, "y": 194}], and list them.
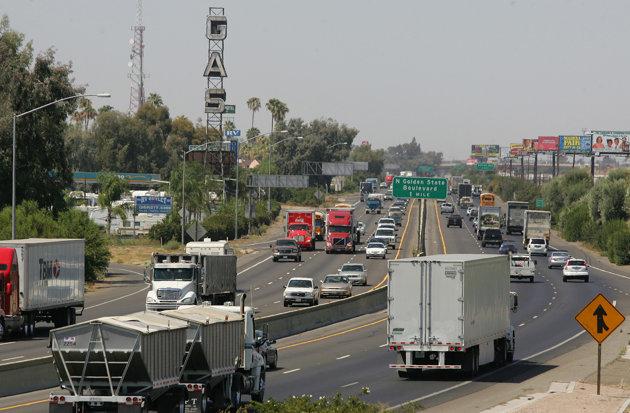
[
  {"x": 278, "y": 111},
  {"x": 112, "y": 188},
  {"x": 42, "y": 170},
  {"x": 229, "y": 125},
  {"x": 253, "y": 104},
  {"x": 155, "y": 99}
]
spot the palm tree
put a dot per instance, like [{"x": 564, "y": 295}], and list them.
[
  {"x": 90, "y": 113},
  {"x": 278, "y": 110},
  {"x": 254, "y": 105},
  {"x": 155, "y": 99},
  {"x": 112, "y": 188},
  {"x": 229, "y": 125}
]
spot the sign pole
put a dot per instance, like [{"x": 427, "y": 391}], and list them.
[{"x": 599, "y": 365}]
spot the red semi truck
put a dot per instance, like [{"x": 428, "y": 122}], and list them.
[
  {"x": 40, "y": 280},
  {"x": 341, "y": 232},
  {"x": 389, "y": 179},
  {"x": 301, "y": 227}
]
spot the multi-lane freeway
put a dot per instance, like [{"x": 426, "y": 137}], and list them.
[{"x": 347, "y": 356}]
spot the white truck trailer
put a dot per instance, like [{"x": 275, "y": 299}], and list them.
[
  {"x": 40, "y": 280},
  {"x": 449, "y": 312},
  {"x": 195, "y": 359},
  {"x": 537, "y": 224}
]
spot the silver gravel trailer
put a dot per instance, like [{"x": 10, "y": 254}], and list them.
[
  {"x": 126, "y": 363},
  {"x": 214, "y": 346}
]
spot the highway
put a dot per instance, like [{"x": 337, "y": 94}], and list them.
[{"x": 344, "y": 357}]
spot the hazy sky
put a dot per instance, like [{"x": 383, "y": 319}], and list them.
[{"x": 451, "y": 73}]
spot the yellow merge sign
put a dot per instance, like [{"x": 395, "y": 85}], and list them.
[{"x": 600, "y": 318}]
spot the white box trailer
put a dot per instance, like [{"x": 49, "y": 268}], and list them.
[
  {"x": 44, "y": 280},
  {"x": 537, "y": 225},
  {"x": 449, "y": 312}
]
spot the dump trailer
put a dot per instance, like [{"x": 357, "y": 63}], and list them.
[
  {"x": 126, "y": 363},
  {"x": 449, "y": 311},
  {"x": 193, "y": 359},
  {"x": 40, "y": 280}
]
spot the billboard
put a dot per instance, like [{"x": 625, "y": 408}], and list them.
[
  {"x": 485, "y": 150},
  {"x": 611, "y": 142},
  {"x": 528, "y": 146},
  {"x": 574, "y": 144},
  {"x": 547, "y": 143},
  {"x": 516, "y": 149},
  {"x": 154, "y": 204}
]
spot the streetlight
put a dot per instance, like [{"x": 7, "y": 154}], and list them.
[
  {"x": 336, "y": 144},
  {"x": 100, "y": 95},
  {"x": 271, "y": 145}
]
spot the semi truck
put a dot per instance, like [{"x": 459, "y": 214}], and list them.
[
  {"x": 194, "y": 359},
  {"x": 515, "y": 216},
  {"x": 342, "y": 234},
  {"x": 301, "y": 227},
  {"x": 464, "y": 191},
  {"x": 365, "y": 189},
  {"x": 374, "y": 204},
  {"x": 449, "y": 311},
  {"x": 455, "y": 181},
  {"x": 184, "y": 279},
  {"x": 40, "y": 280},
  {"x": 537, "y": 224},
  {"x": 389, "y": 178},
  {"x": 489, "y": 217},
  {"x": 374, "y": 182}
]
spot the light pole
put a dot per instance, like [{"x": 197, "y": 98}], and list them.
[
  {"x": 100, "y": 95},
  {"x": 271, "y": 145}
]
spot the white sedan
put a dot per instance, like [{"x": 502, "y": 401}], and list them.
[
  {"x": 375, "y": 250},
  {"x": 575, "y": 268}
]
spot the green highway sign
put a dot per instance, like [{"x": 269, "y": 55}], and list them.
[
  {"x": 485, "y": 166},
  {"x": 540, "y": 203},
  {"x": 230, "y": 109},
  {"x": 425, "y": 169},
  {"x": 457, "y": 166},
  {"x": 416, "y": 187}
]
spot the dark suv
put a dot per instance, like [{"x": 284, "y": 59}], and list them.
[
  {"x": 492, "y": 236},
  {"x": 287, "y": 249},
  {"x": 454, "y": 220}
]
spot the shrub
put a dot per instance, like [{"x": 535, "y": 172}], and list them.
[
  {"x": 619, "y": 247},
  {"x": 574, "y": 222},
  {"x": 608, "y": 231}
]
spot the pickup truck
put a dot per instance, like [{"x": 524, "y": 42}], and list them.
[{"x": 522, "y": 266}]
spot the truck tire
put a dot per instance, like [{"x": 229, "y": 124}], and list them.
[
  {"x": 585, "y": 279},
  {"x": 564, "y": 279},
  {"x": 472, "y": 361},
  {"x": 73, "y": 315},
  {"x": 531, "y": 279},
  {"x": 402, "y": 374}
]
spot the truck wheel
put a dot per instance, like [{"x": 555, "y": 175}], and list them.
[
  {"x": 564, "y": 279},
  {"x": 472, "y": 361},
  {"x": 235, "y": 393},
  {"x": 531, "y": 279},
  {"x": 73, "y": 315},
  {"x": 275, "y": 259},
  {"x": 483, "y": 244},
  {"x": 286, "y": 304},
  {"x": 402, "y": 374},
  {"x": 585, "y": 279}
]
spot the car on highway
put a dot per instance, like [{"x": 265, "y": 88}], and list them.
[
  {"x": 335, "y": 285},
  {"x": 264, "y": 347},
  {"x": 475, "y": 222},
  {"x": 492, "y": 236},
  {"x": 389, "y": 195},
  {"x": 396, "y": 214},
  {"x": 386, "y": 221},
  {"x": 376, "y": 250},
  {"x": 356, "y": 273},
  {"x": 447, "y": 208},
  {"x": 468, "y": 210},
  {"x": 558, "y": 258},
  {"x": 537, "y": 246},
  {"x": 454, "y": 220},
  {"x": 508, "y": 248},
  {"x": 383, "y": 185},
  {"x": 474, "y": 212},
  {"x": 387, "y": 225},
  {"x": 286, "y": 249},
  {"x": 400, "y": 204},
  {"x": 575, "y": 269},
  {"x": 388, "y": 234},
  {"x": 361, "y": 227},
  {"x": 300, "y": 290}
]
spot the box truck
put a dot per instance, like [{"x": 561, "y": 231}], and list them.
[
  {"x": 515, "y": 217},
  {"x": 40, "y": 280},
  {"x": 449, "y": 311},
  {"x": 537, "y": 224}
]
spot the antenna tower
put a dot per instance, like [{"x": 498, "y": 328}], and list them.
[{"x": 136, "y": 75}]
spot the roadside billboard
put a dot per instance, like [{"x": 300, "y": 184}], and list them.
[
  {"x": 528, "y": 146},
  {"x": 478, "y": 150},
  {"x": 547, "y": 143},
  {"x": 490, "y": 151},
  {"x": 515, "y": 150},
  {"x": 611, "y": 142},
  {"x": 574, "y": 144},
  {"x": 505, "y": 152}
]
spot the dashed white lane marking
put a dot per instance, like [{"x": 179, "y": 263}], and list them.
[
  {"x": 270, "y": 282},
  {"x": 383, "y": 345},
  {"x": 350, "y": 384},
  {"x": 521, "y": 325},
  {"x": 291, "y": 371},
  {"x": 343, "y": 357},
  {"x": 13, "y": 358},
  {"x": 257, "y": 288},
  {"x": 535, "y": 317},
  {"x": 277, "y": 302}
]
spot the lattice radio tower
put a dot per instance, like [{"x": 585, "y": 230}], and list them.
[{"x": 136, "y": 74}]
